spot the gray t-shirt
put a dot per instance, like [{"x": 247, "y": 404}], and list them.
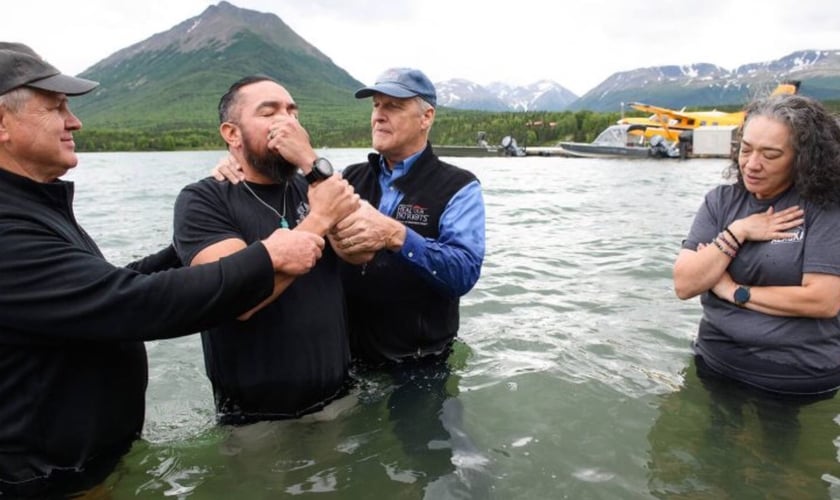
[{"x": 784, "y": 354}]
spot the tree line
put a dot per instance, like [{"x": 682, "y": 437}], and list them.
[
  {"x": 451, "y": 127},
  {"x": 352, "y": 129}
]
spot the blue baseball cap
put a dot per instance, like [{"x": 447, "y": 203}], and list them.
[{"x": 402, "y": 83}]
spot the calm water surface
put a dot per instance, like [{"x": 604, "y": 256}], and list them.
[{"x": 574, "y": 378}]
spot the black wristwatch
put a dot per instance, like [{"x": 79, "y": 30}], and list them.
[
  {"x": 321, "y": 169},
  {"x": 741, "y": 296}
]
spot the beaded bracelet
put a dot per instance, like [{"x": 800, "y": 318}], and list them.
[
  {"x": 728, "y": 243},
  {"x": 725, "y": 251},
  {"x": 740, "y": 243}
]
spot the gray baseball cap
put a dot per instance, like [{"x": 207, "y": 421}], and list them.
[{"x": 20, "y": 66}]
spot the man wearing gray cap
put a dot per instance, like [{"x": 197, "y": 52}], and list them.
[
  {"x": 73, "y": 368},
  {"x": 427, "y": 231}
]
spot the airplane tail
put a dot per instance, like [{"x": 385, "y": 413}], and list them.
[{"x": 787, "y": 87}]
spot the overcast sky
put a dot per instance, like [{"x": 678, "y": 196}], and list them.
[{"x": 578, "y": 44}]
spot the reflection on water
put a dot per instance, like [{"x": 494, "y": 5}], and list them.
[
  {"x": 713, "y": 439},
  {"x": 574, "y": 380},
  {"x": 400, "y": 434}
]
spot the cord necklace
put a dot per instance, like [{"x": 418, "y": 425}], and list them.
[{"x": 283, "y": 224}]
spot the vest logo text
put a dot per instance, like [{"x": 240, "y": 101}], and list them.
[{"x": 412, "y": 214}]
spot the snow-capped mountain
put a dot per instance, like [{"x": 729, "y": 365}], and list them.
[
  {"x": 539, "y": 96},
  {"x": 706, "y": 84},
  {"x": 464, "y": 94},
  {"x": 699, "y": 84}
]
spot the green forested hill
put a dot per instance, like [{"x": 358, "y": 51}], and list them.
[{"x": 163, "y": 93}]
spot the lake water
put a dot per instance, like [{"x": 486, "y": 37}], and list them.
[{"x": 574, "y": 378}]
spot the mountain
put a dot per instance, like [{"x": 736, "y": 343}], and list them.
[
  {"x": 464, "y": 94},
  {"x": 544, "y": 95},
  {"x": 171, "y": 83},
  {"x": 177, "y": 77},
  {"x": 540, "y": 96},
  {"x": 692, "y": 85},
  {"x": 707, "y": 85}
]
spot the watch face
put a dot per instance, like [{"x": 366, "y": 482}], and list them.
[
  {"x": 321, "y": 169},
  {"x": 323, "y": 166},
  {"x": 742, "y": 295}
]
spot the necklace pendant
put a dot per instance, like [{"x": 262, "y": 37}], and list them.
[{"x": 283, "y": 223}]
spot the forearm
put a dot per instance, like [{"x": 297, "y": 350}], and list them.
[
  {"x": 281, "y": 283},
  {"x": 809, "y": 300},
  {"x": 784, "y": 301},
  {"x": 73, "y": 294},
  {"x": 697, "y": 272},
  {"x": 315, "y": 223},
  {"x": 229, "y": 247}
]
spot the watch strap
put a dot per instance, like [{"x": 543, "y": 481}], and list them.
[
  {"x": 321, "y": 169},
  {"x": 314, "y": 176}
]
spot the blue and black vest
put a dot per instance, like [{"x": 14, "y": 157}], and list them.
[{"x": 394, "y": 311}]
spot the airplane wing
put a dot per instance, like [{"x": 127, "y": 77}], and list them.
[
  {"x": 691, "y": 119},
  {"x": 666, "y": 116},
  {"x": 669, "y": 122}
]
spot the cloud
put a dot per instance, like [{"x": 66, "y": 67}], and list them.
[{"x": 575, "y": 44}]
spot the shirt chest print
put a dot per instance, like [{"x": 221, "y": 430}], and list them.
[{"x": 797, "y": 234}]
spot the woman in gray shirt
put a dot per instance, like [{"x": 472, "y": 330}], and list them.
[{"x": 764, "y": 253}]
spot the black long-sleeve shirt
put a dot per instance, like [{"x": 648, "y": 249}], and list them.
[{"x": 73, "y": 368}]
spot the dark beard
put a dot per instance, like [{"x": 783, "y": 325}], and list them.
[{"x": 268, "y": 163}]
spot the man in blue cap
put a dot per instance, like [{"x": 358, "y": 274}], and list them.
[
  {"x": 409, "y": 253},
  {"x": 424, "y": 227},
  {"x": 426, "y": 232},
  {"x": 417, "y": 244}
]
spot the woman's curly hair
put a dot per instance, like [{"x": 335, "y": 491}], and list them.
[{"x": 815, "y": 137}]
